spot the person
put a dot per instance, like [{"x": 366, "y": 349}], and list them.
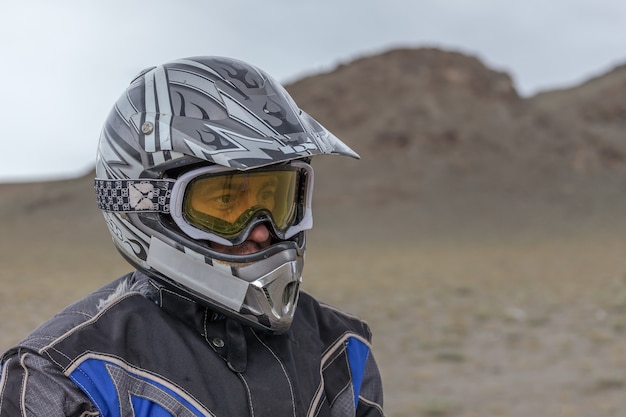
[{"x": 203, "y": 176}]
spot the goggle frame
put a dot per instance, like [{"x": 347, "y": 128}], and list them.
[{"x": 302, "y": 221}]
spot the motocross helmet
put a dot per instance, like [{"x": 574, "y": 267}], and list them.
[{"x": 200, "y": 151}]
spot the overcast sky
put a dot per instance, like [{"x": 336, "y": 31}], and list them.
[{"x": 65, "y": 62}]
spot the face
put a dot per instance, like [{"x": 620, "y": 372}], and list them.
[
  {"x": 224, "y": 206},
  {"x": 230, "y": 199}
]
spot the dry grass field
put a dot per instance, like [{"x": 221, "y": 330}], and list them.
[
  {"x": 492, "y": 329},
  {"x": 528, "y": 321}
]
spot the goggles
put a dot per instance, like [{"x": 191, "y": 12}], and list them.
[{"x": 221, "y": 205}]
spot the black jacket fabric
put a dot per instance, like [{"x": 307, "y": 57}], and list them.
[{"x": 135, "y": 348}]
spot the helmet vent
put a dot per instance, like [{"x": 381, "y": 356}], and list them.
[
  {"x": 289, "y": 292},
  {"x": 268, "y": 297}
]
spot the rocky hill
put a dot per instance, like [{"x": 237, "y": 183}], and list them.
[
  {"x": 452, "y": 138},
  {"x": 427, "y": 119}
]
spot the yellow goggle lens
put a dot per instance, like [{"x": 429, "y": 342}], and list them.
[{"x": 225, "y": 203}]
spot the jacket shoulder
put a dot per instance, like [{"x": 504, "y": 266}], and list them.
[
  {"x": 329, "y": 320},
  {"x": 72, "y": 316}
]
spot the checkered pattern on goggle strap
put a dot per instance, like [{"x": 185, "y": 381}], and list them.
[{"x": 134, "y": 195}]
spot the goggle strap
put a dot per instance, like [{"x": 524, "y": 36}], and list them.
[{"x": 134, "y": 195}]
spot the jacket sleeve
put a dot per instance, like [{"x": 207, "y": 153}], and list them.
[
  {"x": 32, "y": 386},
  {"x": 370, "y": 402}
]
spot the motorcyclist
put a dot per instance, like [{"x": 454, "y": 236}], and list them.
[{"x": 203, "y": 176}]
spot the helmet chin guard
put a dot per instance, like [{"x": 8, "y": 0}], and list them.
[
  {"x": 188, "y": 115},
  {"x": 263, "y": 293}
]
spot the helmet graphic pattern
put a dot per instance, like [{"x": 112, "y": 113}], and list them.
[{"x": 219, "y": 110}]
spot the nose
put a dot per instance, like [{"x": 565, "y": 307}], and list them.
[
  {"x": 258, "y": 239},
  {"x": 260, "y": 233}
]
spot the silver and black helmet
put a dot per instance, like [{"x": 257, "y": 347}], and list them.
[{"x": 190, "y": 127}]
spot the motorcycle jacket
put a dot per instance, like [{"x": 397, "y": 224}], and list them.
[{"x": 137, "y": 348}]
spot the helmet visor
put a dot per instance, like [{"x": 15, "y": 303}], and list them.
[{"x": 223, "y": 205}]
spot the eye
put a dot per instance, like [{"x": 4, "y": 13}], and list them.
[
  {"x": 223, "y": 201},
  {"x": 215, "y": 201},
  {"x": 266, "y": 196}
]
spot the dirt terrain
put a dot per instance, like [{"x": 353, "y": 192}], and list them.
[{"x": 482, "y": 235}]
